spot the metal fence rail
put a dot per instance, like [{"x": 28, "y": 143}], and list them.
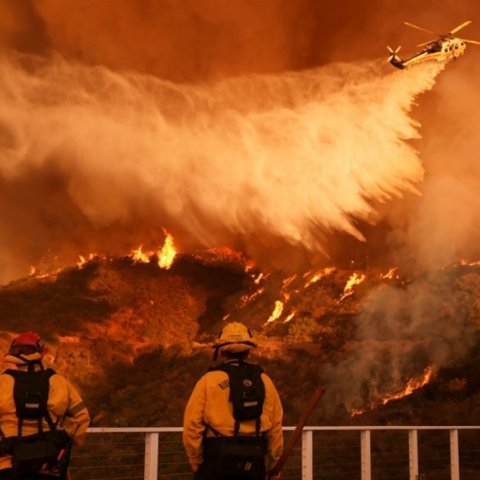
[{"x": 325, "y": 453}]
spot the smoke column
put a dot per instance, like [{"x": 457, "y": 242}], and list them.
[{"x": 280, "y": 159}]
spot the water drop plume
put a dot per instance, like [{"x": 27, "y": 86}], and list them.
[{"x": 96, "y": 159}]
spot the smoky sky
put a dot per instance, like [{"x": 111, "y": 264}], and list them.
[{"x": 96, "y": 88}]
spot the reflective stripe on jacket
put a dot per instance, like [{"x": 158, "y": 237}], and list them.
[{"x": 209, "y": 405}]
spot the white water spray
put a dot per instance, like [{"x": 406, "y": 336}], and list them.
[{"x": 285, "y": 157}]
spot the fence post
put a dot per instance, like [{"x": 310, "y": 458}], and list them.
[
  {"x": 454, "y": 463},
  {"x": 366, "y": 461},
  {"x": 151, "y": 456},
  {"x": 307, "y": 455},
  {"x": 413, "y": 454}
]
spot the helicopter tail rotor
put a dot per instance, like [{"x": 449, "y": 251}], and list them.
[
  {"x": 394, "y": 59},
  {"x": 393, "y": 54}
]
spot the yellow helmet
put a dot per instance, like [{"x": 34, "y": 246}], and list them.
[{"x": 234, "y": 337}]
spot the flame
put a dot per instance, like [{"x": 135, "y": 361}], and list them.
[
  {"x": 35, "y": 273},
  {"x": 391, "y": 274},
  {"x": 465, "y": 263},
  {"x": 318, "y": 276},
  {"x": 83, "y": 260},
  {"x": 138, "y": 256},
  {"x": 277, "y": 311},
  {"x": 288, "y": 281},
  {"x": 413, "y": 384},
  {"x": 289, "y": 317},
  {"x": 166, "y": 255},
  {"x": 355, "y": 279}
]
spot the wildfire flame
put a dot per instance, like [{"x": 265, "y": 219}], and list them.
[
  {"x": 318, "y": 276},
  {"x": 166, "y": 255},
  {"x": 36, "y": 274},
  {"x": 465, "y": 263},
  {"x": 277, "y": 312},
  {"x": 355, "y": 279},
  {"x": 391, "y": 274},
  {"x": 138, "y": 256},
  {"x": 82, "y": 261},
  {"x": 412, "y": 385}
]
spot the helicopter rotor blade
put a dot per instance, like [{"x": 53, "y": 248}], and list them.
[
  {"x": 420, "y": 28},
  {"x": 424, "y": 43},
  {"x": 392, "y": 51},
  {"x": 474, "y": 42},
  {"x": 463, "y": 25}
]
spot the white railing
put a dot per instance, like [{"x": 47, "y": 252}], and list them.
[{"x": 332, "y": 453}]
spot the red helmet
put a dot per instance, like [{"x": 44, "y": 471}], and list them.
[{"x": 26, "y": 344}]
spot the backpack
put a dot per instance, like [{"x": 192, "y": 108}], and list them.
[
  {"x": 242, "y": 456},
  {"x": 40, "y": 451}
]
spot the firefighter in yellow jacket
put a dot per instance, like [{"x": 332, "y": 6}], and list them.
[
  {"x": 37, "y": 405},
  {"x": 233, "y": 420}
]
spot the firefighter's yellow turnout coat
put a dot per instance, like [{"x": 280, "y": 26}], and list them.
[
  {"x": 64, "y": 403},
  {"x": 209, "y": 406}
]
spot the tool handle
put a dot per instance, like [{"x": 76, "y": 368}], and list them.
[{"x": 297, "y": 432}]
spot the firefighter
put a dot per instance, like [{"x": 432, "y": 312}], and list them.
[
  {"x": 41, "y": 415},
  {"x": 232, "y": 425}
]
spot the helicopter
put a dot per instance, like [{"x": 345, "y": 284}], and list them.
[{"x": 445, "y": 48}]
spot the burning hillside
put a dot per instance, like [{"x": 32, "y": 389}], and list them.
[{"x": 371, "y": 336}]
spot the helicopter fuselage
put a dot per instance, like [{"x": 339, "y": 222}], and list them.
[{"x": 442, "y": 50}]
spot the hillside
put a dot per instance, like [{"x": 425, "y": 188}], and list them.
[{"x": 135, "y": 337}]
